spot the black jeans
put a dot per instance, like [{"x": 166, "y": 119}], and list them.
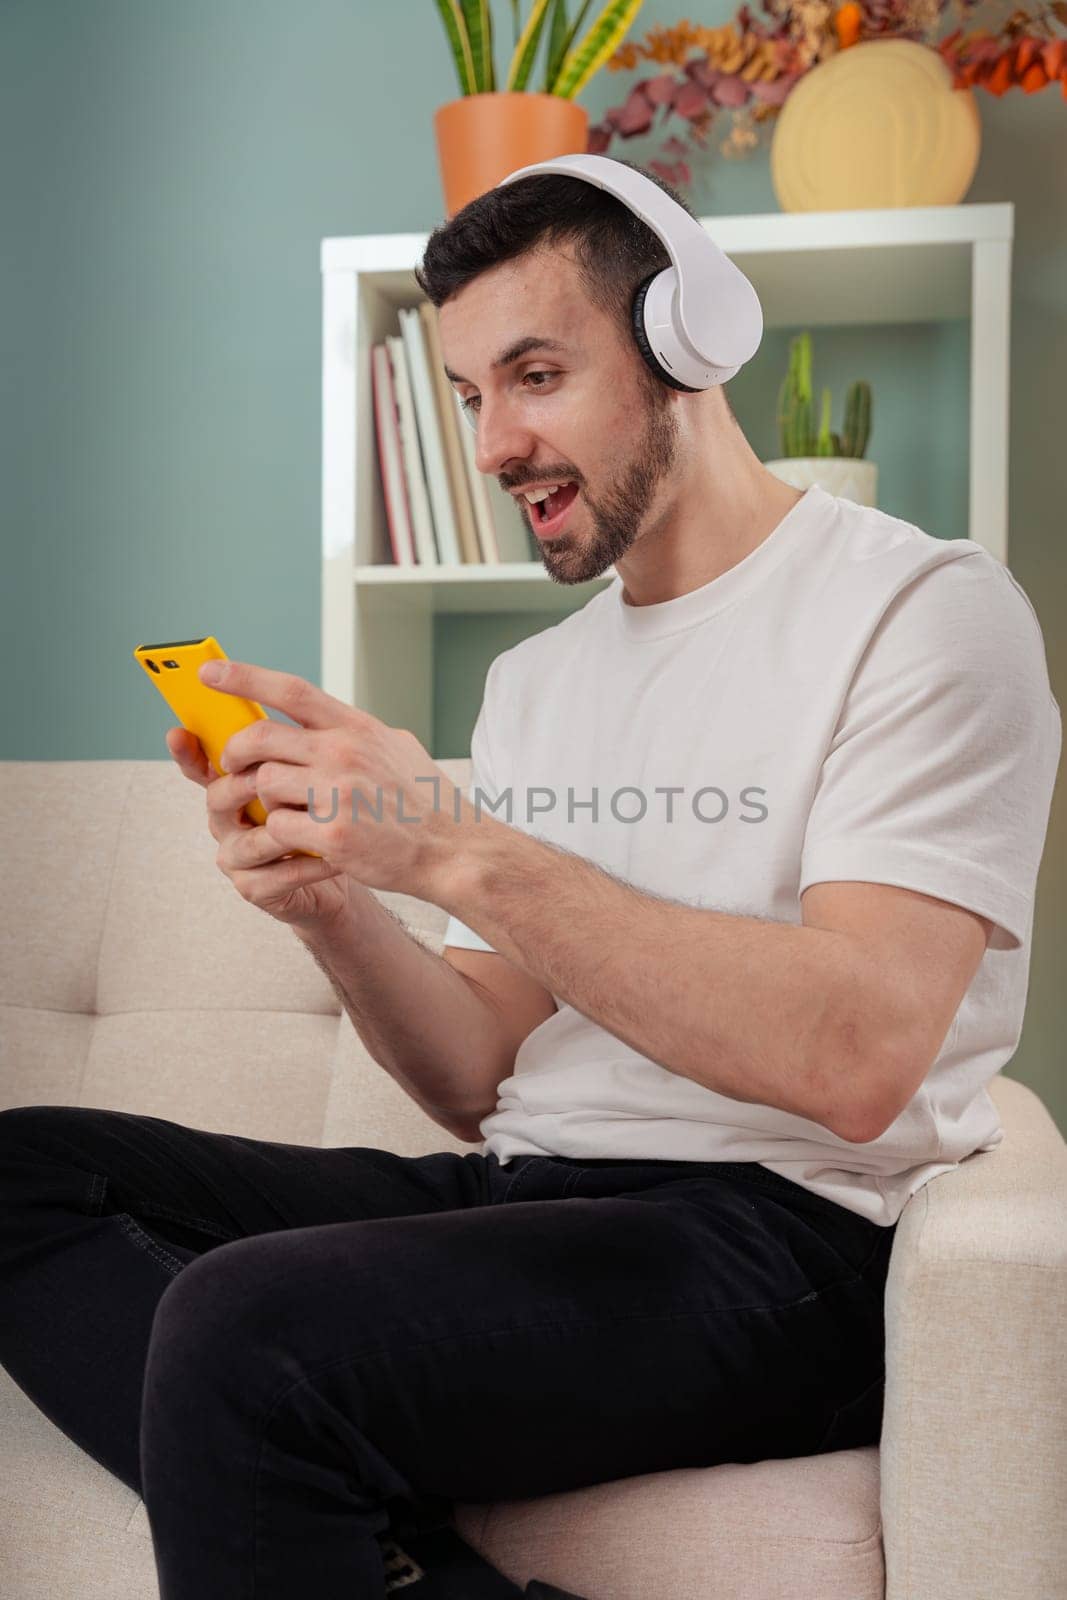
[{"x": 293, "y": 1352}]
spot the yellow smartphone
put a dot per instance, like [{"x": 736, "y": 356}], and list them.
[{"x": 174, "y": 669}]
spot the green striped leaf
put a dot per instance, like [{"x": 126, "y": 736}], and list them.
[
  {"x": 456, "y": 29},
  {"x": 480, "y": 33},
  {"x": 561, "y": 39},
  {"x": 602, "y": 40},
  {"x": 526, "y": 49}
]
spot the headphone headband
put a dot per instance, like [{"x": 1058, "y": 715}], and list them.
[{"x": 696, "y": 322}]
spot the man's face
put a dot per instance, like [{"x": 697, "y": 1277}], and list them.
[{"x": 589, "y": 411}]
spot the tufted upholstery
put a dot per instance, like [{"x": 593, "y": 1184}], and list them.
[{"x": 134, "y": 977}]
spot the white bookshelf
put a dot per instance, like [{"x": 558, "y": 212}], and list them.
[{"x": 811, "y": 269}]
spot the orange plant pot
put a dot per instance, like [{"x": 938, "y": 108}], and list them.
[{"x": 483, "y": 137}]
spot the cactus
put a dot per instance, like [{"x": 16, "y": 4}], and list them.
[
  {"x": 857, "y": 420},
  {"x": 824, "y": 444},
  {"x": 796, "y": 415}
]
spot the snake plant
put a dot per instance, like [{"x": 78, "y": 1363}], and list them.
[{"x": 569, "y": 62}]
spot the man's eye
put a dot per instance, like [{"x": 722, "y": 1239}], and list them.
[{"x": 470, "y": 405}]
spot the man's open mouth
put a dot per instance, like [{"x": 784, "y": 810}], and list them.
[{"x": 548, "y": 514}]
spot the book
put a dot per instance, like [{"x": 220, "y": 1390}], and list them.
[
  {"x": 499, "y": 524},
  {"x": 410, "y": 449},
  {"x": 394, "y": 490},
  {"x": 451, "y": 422},
  {"x": 483, "y": 516},
  {"x": 430, "y": 440}
]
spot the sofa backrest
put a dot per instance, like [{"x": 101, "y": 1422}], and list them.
[{"x": 133, "y": 975}]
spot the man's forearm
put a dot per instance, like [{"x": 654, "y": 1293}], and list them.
[
  {"x": 419, "y": 1018},
  {"x": 767, "y": 1012}
]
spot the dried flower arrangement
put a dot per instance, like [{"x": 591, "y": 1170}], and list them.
[{"x": 748, "y": 68}]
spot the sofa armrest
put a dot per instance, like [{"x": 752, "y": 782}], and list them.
[{"x": 974, "y": 1436}]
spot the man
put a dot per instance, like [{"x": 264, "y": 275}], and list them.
[{"x": 740, "y": 910}]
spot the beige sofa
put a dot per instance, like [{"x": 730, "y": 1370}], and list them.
[{"x": 135, "y": 977}]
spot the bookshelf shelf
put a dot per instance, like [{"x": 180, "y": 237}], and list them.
[
  {"x": 511, "y": 586},
  {"x": 925, "y": 264}
]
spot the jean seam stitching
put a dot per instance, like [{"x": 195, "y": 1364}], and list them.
[
  {"x": 144, "y": 1242},
  {"x": 519, "y": 1178},
  {"x": 481, "y": 1333},
  {"x": 152, "y": 1208},
  {"x": 534, "y": 1327},
  {"x": 95, "y": 1198}
]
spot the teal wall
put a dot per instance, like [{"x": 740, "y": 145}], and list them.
[{"x": 167, "y": 172}]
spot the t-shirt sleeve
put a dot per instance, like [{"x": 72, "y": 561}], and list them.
[
  {"x": 940, "y": 772},
  {"x": 483, "y": 777}
]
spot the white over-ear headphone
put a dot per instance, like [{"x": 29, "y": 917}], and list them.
[{"x": 697, "y": 322}]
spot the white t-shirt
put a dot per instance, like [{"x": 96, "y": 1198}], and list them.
[{"x": 854, "y": 700}]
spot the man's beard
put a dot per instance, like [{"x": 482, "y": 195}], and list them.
[{"x": 618, "y": 517}]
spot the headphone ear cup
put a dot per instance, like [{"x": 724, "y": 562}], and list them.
[{"x": 649, "y": 357}]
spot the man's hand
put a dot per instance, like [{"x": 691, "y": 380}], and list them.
[
  {"x": 296, "y": 890},
  {"x": 366, "y": 796}
]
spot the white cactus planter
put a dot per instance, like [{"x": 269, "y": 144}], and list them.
[{"x": 851, "y": 478}]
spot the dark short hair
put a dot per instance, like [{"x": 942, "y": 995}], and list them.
[{"x": 613, "y": 250}]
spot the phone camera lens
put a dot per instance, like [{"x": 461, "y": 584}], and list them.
[{"x": 170, "y": 663}]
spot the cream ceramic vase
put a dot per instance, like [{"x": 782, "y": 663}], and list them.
[
  {"x": 876, "y": 125},
  {"x": 846, "y": 476}
]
